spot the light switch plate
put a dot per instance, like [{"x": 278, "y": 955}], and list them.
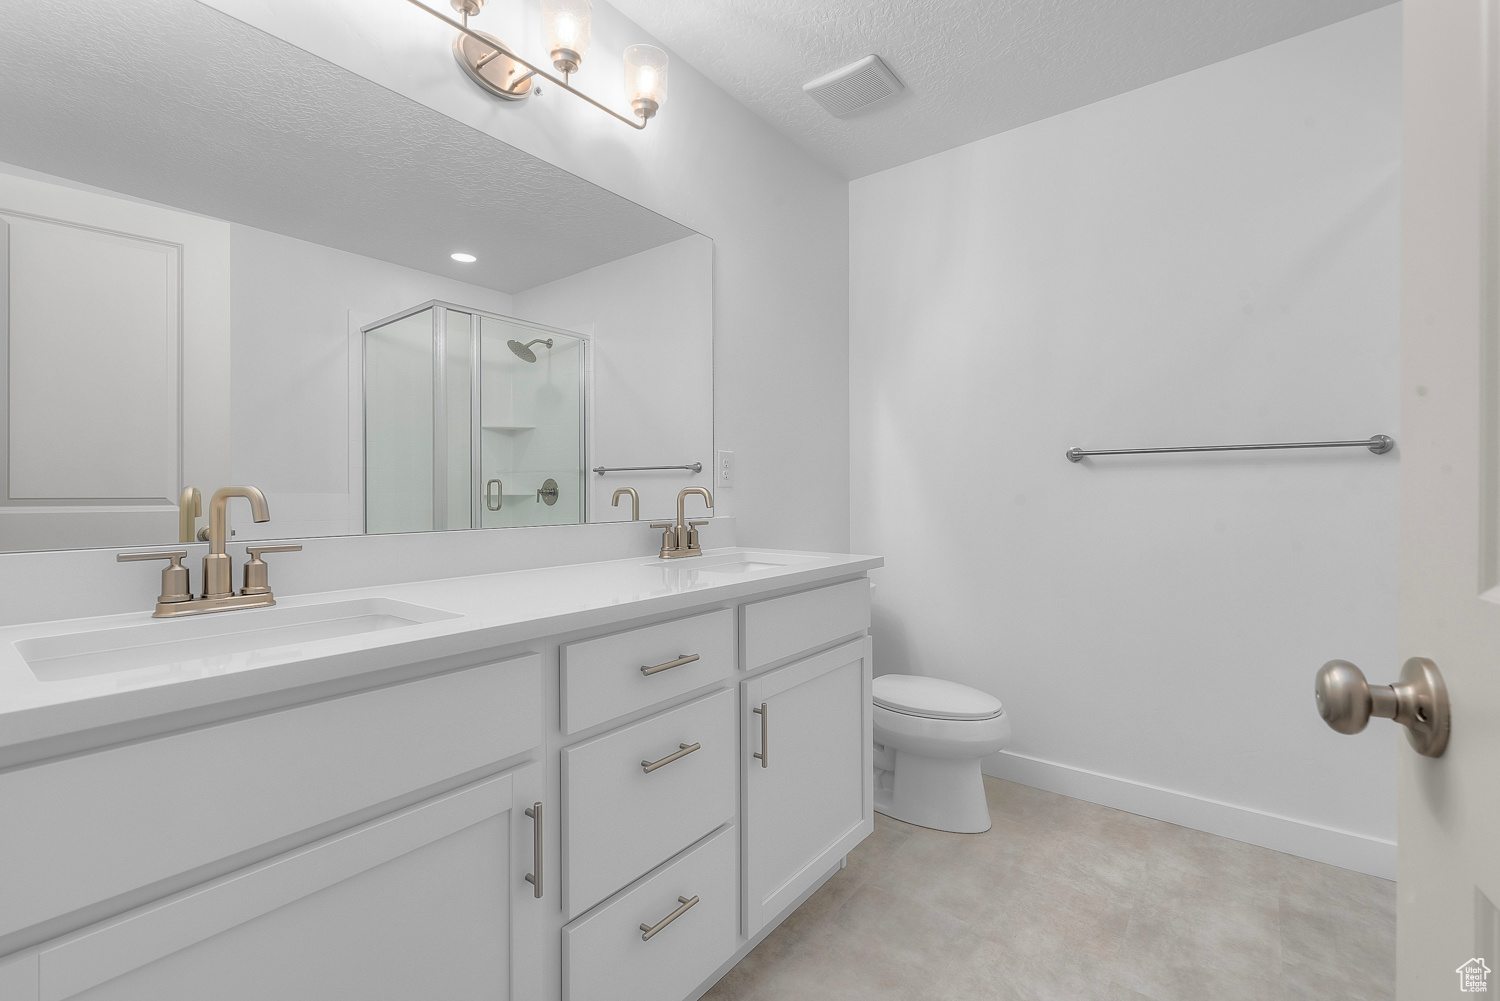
[{"x": 725, "y": 469}]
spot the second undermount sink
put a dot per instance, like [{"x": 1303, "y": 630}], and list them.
[
  {"x": 224, "y": 640},
  {"x": 741, "y": 566},
  {"x": 738, "y": 563}
]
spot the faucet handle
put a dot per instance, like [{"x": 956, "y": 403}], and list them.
[
  {"x": 256, "y": 581},
  {"x": 668, "y": 537},
  {"x": 175, "y": 582}
]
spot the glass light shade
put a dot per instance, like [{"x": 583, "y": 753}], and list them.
[
  {"x": 645, "y": 79},
  {"x": 566, "y": 24}
]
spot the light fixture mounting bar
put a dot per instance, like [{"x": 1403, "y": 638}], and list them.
[{"x": 535, "y": 70}]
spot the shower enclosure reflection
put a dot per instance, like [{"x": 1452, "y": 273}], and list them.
[{"x": 471, "y": 420}]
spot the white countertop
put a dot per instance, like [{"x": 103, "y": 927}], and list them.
[{"x": 480, "y": 612}]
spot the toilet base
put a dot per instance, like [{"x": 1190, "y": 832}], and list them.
[{"x": 945, "y": 794}]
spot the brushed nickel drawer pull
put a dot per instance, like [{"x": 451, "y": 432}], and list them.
[
  {"x": 764, "y": 753},
  {"x": 684, "y": 750},
  {"x": 535, "y": 879},
  {"x": 649, "y": 930},
  {"x": 686, "y": 658}
]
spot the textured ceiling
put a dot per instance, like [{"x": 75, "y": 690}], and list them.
[
  {"x": 176, "y": 103},
  {"x": 972, "y": 67}
]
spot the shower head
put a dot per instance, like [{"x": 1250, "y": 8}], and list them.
[{"x": 523, "y": 351}]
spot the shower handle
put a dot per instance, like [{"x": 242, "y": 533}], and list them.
[
  {"x": 1418, "y": 701},
  {"x": 494, "y": 499}
]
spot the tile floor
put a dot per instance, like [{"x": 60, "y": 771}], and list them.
[{"x": 1067, "y": 901}]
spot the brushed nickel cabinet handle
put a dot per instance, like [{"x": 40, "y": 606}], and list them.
[
  {"x": 649, "y": 930},
  {"x": 684, "y": 750},
  {"x": 686, "y": 658},
  {"x": 765, "y": 736},
  {"x": 535, "y": 878}
]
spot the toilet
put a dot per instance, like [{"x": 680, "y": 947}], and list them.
[{"x": 930, "y": 735}]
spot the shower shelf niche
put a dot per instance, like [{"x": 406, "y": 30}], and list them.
[{"x": 509, "y": 427}]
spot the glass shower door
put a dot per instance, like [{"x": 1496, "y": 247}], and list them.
[
  {"x": 531, "y": 451},
  {"x": 398, "y": 426},
  {"x": 471, "y": 420},
  {"x": 454, "y": 478},
  {"x": 419, "y": 393}
]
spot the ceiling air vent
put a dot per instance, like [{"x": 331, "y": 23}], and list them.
[{"x": 854, "y": 87}]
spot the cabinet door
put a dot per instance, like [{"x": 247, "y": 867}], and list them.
[
  {"x": 431, "y": 901},
  {"x": 808, "y": 795}
]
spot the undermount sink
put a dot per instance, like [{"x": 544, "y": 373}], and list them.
[
  {"x": 217, "y": 640},
  {"x": 741, "y": 566},
  {"x": 737, "y": 563}
]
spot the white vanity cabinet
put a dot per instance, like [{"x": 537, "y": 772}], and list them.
[
  {"x": 688, "y": 908},
  {"x": 430, "y": 901},
  {"x": 808, "y": 778},
  {"x": 640, "y": 794},
  {"x": 327, "y": 881},
  {"x": 598, "y": 810},
  {"x": 807, "y": 784}
]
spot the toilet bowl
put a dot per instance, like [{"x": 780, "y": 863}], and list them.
[{"x": 929, "y": 738}]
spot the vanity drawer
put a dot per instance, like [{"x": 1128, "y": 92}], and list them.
[
  {"x": 602, "y": 678},
  {"x": 605, "y": 958},
  {"x": 620, "y": 821},
  {"x": 782, "y": 628},
  {"x": 80, "y": 830}
]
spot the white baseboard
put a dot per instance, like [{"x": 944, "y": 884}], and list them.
[{"x": 1345, "y": 849}]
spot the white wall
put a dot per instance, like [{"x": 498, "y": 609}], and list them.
[
  {"x": 1213, "y": 258},
  {"x": 778, "y": 219}
]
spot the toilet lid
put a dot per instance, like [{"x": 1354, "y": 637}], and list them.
[{"x": 917, "y": 696}]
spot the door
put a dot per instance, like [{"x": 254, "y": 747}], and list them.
[
  {"x": 433, "y": 900},
  {"x": 808, "y": 778},
  {"x": 114, "y": 366},
  {"x": 1449, "y": 829}
]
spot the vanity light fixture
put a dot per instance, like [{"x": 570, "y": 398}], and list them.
[
  {"x": 566, "y": 23},
  {"x": 464, "y": 258},
  {"x": 495, "y": 66}
]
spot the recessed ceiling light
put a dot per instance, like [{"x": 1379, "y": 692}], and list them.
[{"x": 465, "y": 258}]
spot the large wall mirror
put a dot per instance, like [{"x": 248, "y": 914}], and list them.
[{"x": 224, "y": 260}]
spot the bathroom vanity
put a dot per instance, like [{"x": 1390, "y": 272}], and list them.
[
  {"x": 586, "y": 781},
  {"x": 605, "y": 781}
]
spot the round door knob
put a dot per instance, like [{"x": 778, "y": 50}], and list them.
[
  {"x": 1343, "y": 696},
  {"x": 1419, "y": 702}
]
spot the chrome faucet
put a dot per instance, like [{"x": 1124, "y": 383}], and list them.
[
  {"x": 681, "y": 539},
  {"x": 218, "y": 569}
]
